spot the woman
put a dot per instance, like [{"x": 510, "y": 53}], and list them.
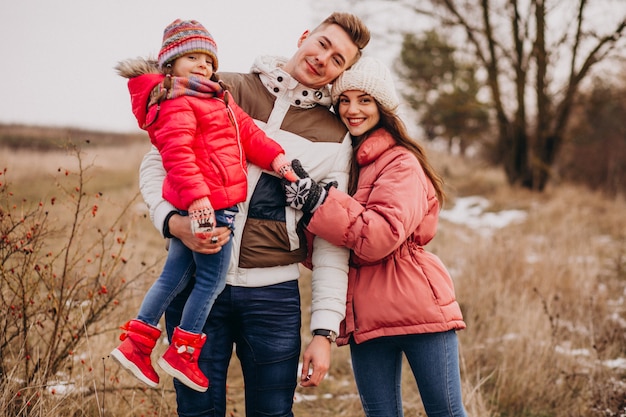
[{"x": 400, "y": 297}]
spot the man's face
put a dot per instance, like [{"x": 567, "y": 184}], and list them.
[{"x": 322, "y": 56}]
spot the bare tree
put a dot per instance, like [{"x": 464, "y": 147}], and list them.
[
  {"x": 535, "y": 54},
  {"x": 442, "y": 90}
]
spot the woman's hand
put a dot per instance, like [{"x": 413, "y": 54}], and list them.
[{"x": 304, "y": 194}]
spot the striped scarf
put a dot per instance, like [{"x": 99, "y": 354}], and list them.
[{"x": 173, "y": 87}]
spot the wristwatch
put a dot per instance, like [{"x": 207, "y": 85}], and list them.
[{"x": 328, "y": 334}]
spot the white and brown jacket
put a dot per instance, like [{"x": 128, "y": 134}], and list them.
[{"x": 268, "y": 243}]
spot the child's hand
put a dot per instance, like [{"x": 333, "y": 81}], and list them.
[
  {"x": 282, "y": 167},
  {"x": 202, "y": 217}
]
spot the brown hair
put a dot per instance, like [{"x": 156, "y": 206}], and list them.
[
  {"x": 352, "y": 25},
  {"x": 392, "y": 123}
]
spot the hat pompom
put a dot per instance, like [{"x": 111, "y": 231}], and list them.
[
  {"x": 182, "y": 37},
  {"x": 371, "y": 76}
]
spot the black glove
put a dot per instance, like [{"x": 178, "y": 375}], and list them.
[{"x": 305, "y": 194}]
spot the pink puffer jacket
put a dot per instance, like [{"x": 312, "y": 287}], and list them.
[{"x": 395, "y": 287}]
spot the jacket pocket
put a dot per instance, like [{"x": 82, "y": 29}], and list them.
[
  {"x": 437, "y": 276},
  {"x": 218, "y": 167}
]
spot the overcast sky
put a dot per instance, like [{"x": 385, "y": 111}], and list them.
[{"x": 58, "y": 55}]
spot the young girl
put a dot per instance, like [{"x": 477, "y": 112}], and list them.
[
  {"x": 204, "y": 139},
  {"x": 400, "y": 297}
]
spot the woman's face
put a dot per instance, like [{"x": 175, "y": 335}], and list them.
[
  {"x": 358, "y": 111},
  {"x": 194, "y": 64}
]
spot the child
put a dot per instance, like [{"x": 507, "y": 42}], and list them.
[{"x": 204, "y": 139}]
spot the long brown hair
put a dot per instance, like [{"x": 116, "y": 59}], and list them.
[{"x": 391, "y": 122}]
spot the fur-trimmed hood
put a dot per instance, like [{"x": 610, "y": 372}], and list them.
[
  {"x": 134, "y": 67},
  {"x": 143, "y": 76}
]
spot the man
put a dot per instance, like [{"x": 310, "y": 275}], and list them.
[{"x": 259, "y": 310}]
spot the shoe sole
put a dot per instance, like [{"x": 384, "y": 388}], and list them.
[
  {"x": 180, "y": 376},
  {"x": 132, "y": 368}
]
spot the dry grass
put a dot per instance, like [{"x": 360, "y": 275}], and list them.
[{"x": 543, "y": 301}]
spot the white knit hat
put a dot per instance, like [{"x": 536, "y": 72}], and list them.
[{"x": 373, "y": 77}]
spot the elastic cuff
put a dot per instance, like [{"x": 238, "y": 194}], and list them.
[{"x": 166, "y": 225}]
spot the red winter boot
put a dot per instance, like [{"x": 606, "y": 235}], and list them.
[
  {"x": 180, "y": 360},
  {"x": 134, "y": 351}
]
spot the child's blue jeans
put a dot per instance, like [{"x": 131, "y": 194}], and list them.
[{"x": 181, "y": 264}]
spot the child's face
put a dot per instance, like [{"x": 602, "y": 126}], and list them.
[{"x": 196, "y": 64}]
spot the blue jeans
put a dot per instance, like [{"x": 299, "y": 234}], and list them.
[
  {"x": 180, "y": 266},
  {"x": 263, "y": 324},
  {"x": 434, "y": 360}
]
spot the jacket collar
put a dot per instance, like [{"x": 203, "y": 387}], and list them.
[
  {"x": 378, "y": 142},
  {"x": 280, "y": 84}
]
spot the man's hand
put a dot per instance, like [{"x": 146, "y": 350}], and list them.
[
  {"x": 180, "y": 226},
  {"x": 315, "y": 362}
]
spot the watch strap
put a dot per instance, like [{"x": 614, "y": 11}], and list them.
[{"x": 328, "y": 334}]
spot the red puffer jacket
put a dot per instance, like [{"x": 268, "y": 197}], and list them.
[
  {"x": 204, "y": 144},
  {"x": 395, "y": 287}
]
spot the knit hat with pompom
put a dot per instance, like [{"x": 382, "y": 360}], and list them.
[
  {"x": 182, "y": 37},
  {"x": 371, "y": 76}
]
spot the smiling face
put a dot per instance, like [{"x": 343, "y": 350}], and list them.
[
  {"x": 322, "y": 56},
  {"x": 194, "y": 64},
  {"x": 358, "y": 111}
]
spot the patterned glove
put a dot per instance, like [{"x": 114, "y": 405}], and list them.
[
  {"x": 202, "y": 217},
  {"x": 282, "y": 167},
  {"x": 305, "y": 194}
]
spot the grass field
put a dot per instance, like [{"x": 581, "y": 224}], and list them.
[{"x": 543, "y": 299}]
